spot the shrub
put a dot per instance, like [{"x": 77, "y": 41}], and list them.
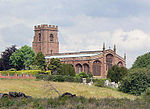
[
  {"x": 58, "y": 78},
  {"x": 77, "y": 78},
  {"x": 68, "y": 78},
  {"x": 146, "y": 95},
  {"x": 90, "y": 75},
  {"x": 26, "y": 72},
  {"x": 68, "y": 69},
  {"x": 116, "y": 73},
  {"x": 42, "y": 77},
  {"x": 82, "y": 75},
  {"x": 99, "y": 82},
  {"x": 136, "y": 82}
]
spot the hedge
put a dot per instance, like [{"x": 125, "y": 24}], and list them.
[{"x": 27, "y": 72}]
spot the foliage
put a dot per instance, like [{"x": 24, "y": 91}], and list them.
[
  {"x": 22, "y": 58},
  {"x": 39, "y": 61},
  {"x": 146, "y": 95},
  {"x": 82, "y": 75},
  {"x": 34, "y": 67},
  {"x": 1, "y": 65},
  {"x": 136, "y": 81},
  {"x": 68, "y": 69},
  {"x": 27, "y": 72},
  {"x": 5, "y": 58},
  {"x": 90, "y": 75},
  {"x": 99, "y": 82},
  {"x": 55, "y": 66},
  {"x": 12, "y": 69},
  {"x": 58, "y": 78},
  {"x": 142, "y": 61},
  {"x": 79, "y": 76},
  {"x": 116, "y": 73},
  {"x": 72, "y": 103}
]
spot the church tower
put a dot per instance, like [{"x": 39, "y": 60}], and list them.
[{"x": 46, "y": 39}]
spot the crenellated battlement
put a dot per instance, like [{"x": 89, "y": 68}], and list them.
[{"x": 45, "y": 26}]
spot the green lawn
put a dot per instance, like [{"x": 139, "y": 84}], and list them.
[{"x": 42, "y": 89}]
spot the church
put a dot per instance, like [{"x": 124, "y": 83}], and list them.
[{"x": 96, "y": 62}]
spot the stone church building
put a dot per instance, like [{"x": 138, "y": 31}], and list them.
[{"x": 95, "y": 62}]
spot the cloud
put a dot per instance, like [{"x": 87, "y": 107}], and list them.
[
  {"x": 83, "y": 24},
  {"x": 132, "y": 41}
]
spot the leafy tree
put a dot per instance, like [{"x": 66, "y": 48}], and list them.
[
  {"x": 116, "y": 73},
  {"x": 22, "y": 58},
  {"x": 5, "y": 58},
  {"x": 55, "y": 66},
  {"x": 136, "y": 81},
  {"x": 40, "y": 61},
  {"x": 142, "y": 61},
  {"x": 68, "y": 69},
  {"x": 1, "y": 65}
]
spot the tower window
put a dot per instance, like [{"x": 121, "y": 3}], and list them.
[
  {"x": 39, "y": 36},
  {"x": 51, "y": 37}
]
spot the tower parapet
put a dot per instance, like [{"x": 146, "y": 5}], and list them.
[
  {"x": 46, "y": 39},
  {"x": 45, "y": 26}
]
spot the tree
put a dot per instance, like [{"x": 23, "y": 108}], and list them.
[
  {"x": 22, "y": 58},
  {"x": 1, "y": 65},
  {"x": 40, "y": 61},
  {"x": 116, "y": 73},
  {"x": 68, "y": 69},
  {"x": 136, "y": 81},
  {"x": 142, "y": 61},
  {"x": 5, "y": 58},
  {"x": 55, "y": 66}
]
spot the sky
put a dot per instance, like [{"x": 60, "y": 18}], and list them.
[{"x": 83, "y": 24}]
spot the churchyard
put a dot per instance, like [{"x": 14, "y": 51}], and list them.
[{"x": 46, "y": 83}]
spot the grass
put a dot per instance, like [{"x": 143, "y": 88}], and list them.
[
  {"x": 72, "y": 103},
  {"x": 42, "y": 89}
]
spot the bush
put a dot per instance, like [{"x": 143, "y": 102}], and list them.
[
  {"x": 99, "y": 82},
  {"x": 136, "y": 82},
  {"x": 68, "y": 69},
  {"x": 58, "y": 78},
  {"x": 77, "y": 78},
  {"x": 82, "y": 75},
  {"x": 68, "y": 78},
  {"x": 90, "y": 75},
  {"x": 146, "y": 95},
  {"x": 26, "y": 72},
  {"x": 116, "y": 73}
]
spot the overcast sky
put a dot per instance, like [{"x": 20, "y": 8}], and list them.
[{"x": 83, "y": 24}]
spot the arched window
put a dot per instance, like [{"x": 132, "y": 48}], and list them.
[
  {"x": 39, "y": 36},
  {"x": 78, "y": 68},
  {"x": 51, "y": 37},
  {"x": 120, "y": 64},
  {"x": 86, "y": 68},
  {"x": 109, "y": 61},
  {"x": 97, "y": 68}
]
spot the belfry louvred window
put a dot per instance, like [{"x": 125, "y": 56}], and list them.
[
  {"x": 39, "y": 36},
  {"x": 51, "y": 37}
]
